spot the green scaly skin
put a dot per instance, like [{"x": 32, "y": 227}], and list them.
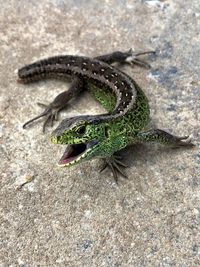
[
  {"x": 109, "y": 137},
  {"x": 120, "y": 132}
]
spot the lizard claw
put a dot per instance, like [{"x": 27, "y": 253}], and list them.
[
  {"x": 115, "y": 165},
  {"x": 50, "y": 113},
  {"x": 134, "y": 60}
]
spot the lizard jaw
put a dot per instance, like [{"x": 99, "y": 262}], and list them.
[{"x": 74, "y": 153}]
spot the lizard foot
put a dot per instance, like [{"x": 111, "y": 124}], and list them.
[
  {"x": 115, "y": 164},
  {"x": 134, "y": 60},
  {"x": 183, "y": 141},
  {"x": 49, "y": 112}
]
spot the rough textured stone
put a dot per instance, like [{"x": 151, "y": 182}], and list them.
[{"x": 78, "y": 217}]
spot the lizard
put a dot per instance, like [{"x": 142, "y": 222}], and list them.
[{"x": 99, "y": 136}]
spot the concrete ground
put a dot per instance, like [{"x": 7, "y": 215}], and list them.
[{"x": 77, "y": 216}]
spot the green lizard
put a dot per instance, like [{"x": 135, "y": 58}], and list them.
[{"x": 91, "y": 136}]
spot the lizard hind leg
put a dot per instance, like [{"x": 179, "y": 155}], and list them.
[
  {"x": 134, "y": 58},
  {"x": 47, "y": 112},
  {"x": 52, "y": 110}
]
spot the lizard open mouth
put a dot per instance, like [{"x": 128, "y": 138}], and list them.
[
  {"x": 75, "y": 152},
  {"x": 72, "y": 153}
]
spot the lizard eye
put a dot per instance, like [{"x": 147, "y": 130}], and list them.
[{"x": 81, "y": 130}]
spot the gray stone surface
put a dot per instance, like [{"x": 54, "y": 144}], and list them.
[{"x": 78, "y": 217}]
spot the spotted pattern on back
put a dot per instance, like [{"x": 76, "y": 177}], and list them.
[{"x": 93, "y": 70}]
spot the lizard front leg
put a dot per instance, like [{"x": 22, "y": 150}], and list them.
[
  {"x": 162, "y": 137},
  {"x": 115, "y": 164}
]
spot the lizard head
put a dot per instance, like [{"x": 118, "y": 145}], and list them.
[{"x": 85, "y": 137}]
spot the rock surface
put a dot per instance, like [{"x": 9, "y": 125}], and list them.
[{"x": 76, "y": 216}]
